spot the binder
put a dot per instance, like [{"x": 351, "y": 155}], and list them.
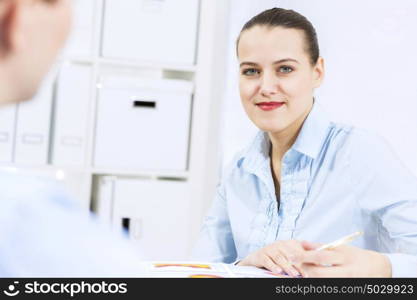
[
  {"x": 71, "y": 115},
  {"x": 104, "y": 198},
  {"x": 33, "y": 127},
  {"x": 80, "y": 41},
  {"x": 7, "y": 132}
]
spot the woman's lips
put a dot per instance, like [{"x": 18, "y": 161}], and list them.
[{"x": 269, "y": 105}]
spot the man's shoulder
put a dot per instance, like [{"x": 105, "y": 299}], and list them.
[{"x": 20, "y": 188}]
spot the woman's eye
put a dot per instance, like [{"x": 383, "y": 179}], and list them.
[
  {"x": 285, "y": 69},
  {"x": 250, "y": 72}
]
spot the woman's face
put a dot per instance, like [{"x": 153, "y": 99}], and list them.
[{"x": 277, "y": 79}]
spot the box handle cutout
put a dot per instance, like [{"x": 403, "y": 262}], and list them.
[{"x": 145, "y": 104}]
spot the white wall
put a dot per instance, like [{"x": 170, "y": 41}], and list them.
[
  {"x": 237, "y": 129},
  {"x": 370, "y": 52}
]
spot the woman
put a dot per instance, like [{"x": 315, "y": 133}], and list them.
[{"x": 304, "y": 177}]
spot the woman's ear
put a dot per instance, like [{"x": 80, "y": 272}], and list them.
[
  {"x": 318, "y": 72},
  {"x": 10, "y": 34}
]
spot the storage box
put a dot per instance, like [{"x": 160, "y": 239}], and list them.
[{"x": 143, "y": 124}]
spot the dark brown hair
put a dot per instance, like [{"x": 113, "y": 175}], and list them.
[{"x": 287, "y": 18}]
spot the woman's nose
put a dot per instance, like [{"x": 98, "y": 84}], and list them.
[{"x": 269, "y": 85}]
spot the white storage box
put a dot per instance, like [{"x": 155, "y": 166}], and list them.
[
  {"x": 156, "y": 215},
  {"x": 151, "y": 30},
  {"x": 143, "y": 124}
]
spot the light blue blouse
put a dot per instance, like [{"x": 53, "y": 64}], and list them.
[{"x": 336, "y": 179}]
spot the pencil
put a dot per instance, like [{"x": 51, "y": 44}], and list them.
[{"x": 341, "y": 241}]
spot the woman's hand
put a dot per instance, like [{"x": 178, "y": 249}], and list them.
[
  {"x": 344, "y": 261},
  {"x": 278, "y": 257}
]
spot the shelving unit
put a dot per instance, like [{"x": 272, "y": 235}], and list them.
[{"x": 207, "y": 78}]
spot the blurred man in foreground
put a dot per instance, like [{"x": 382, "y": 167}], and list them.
[{"x": 43, "y": 233}]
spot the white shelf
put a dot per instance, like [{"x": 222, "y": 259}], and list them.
[
  {"x": 207, "y": 77},
  {"x": 44, "y": 168},
  {"x": 176, "y": 175},
  {"x": 74, "y": 59},
  {"x": 128, "y": 63},
  {"x": 157, "y": 174},
  {"x": 146, "y": 64}
]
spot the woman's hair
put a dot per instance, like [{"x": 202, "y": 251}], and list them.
[{"x": 286, "y": 18}]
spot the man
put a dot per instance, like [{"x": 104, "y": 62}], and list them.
[{"x": 42, "y": 231}]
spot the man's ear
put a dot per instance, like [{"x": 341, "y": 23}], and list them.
[
  {"x": 318, "y": 70},
  {"x": 10, "y": 34}
]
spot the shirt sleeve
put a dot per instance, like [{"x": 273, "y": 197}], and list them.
[
  {"x": 215, "y": 243},
  {"x": 45, "y": 233},
  {"x": 387, "y": 190},
  {"x": 403, "y": 265}
]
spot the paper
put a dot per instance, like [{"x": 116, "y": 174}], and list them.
[{"x": 175, "y": 269}]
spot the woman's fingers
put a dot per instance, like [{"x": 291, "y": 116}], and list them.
[
  {"x": 286, "y": 266},
  {"x": 277, "y": 263},
  {"x": 269, "y": 264},
  {"x": 324, "y": 257},
  {"x": 289, "y": 257},
  {"x": 310, "y": 246},
  {"x": 286, "y": 260},
  {"x": 303, "y": 273}
]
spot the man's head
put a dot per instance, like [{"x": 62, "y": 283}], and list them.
[{"x": 31, "y": 34}]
